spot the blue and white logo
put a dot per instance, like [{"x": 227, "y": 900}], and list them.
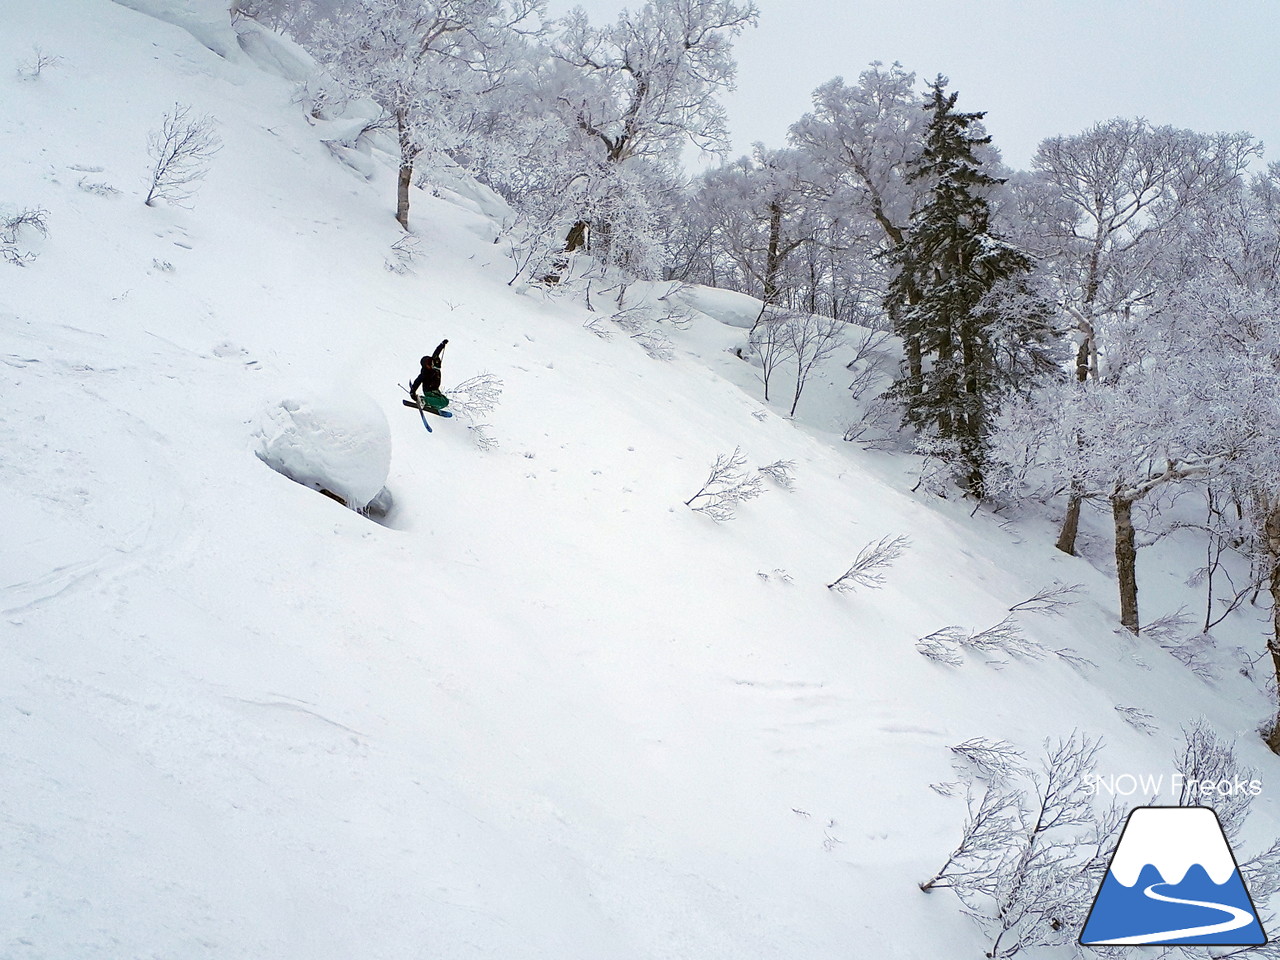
[{"x": 1173, "y": 880}]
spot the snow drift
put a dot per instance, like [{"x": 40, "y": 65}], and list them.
[{"x": 335, "y": 443}]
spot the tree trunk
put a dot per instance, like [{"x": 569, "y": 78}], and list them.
[
  {"x": 407, "y": 155},
  {"x": 915, "y": 364},
  {"x": 1071, "y": 522},
  {"x": 970, "y": 421},
  {"x": 945, "y": 385},
  {"x": 1082, "y": 360},
  {"x": 772, "y": 259},
  {"x": 1272, "y": 530},
  {"x": 402, "y": 194},
  {"x": 1126, "y": 561},
  {"x": 1273, "y": 646}
]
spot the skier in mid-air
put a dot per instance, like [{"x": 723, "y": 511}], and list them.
[{"x": 428, "y": 380}]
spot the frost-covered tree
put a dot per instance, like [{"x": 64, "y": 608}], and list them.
[
  {"x": 1187, "y": 392},
  {"x": 427, "y": 64},
  {"x": 639, "y": 88},
  {"x": 1100, "y": 209},
  {"x": 759, "y": 208},
  {"x": 1229, "y": 299},
  {"x": 866, "y": 135},
  {"x": 947, "y": 265}
]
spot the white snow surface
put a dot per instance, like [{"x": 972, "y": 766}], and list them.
[
  {"x": 340, "y": 442},
  {"x": 545, "y": 710},
  {"x": 207, "y": 21},
  {"x": 1172, "y": 839},
  {"x": 728, "y": 306}
]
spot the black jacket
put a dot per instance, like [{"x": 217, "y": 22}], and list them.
[{"x": 428, "y": 378}]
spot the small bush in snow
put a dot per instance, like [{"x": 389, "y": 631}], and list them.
[
  {"x": 994, "y": 761},
  {"x": 180, "y": 152},
  {"x": 99, "y": 188},
  {"x": 1052, "y": 600},
  {"x": 1140, "y": 720},
  {"x": 404, "y": 254},
  {"x": 877, "y": 428},
  {"x": 988, "y": 830},
  {"x": 476, "y": 398},
  {"x": 1195, "y": 651},
  {"x": 39, "y": 61},
  {"x": 728, "y": 484},
  {"x": 778, "y": 574},
  {"x": 1005, "y": 637},
  {"x": 1074, "y": 659},
  {"x": 943, "y": 645},
  {"x": 781, "y": 472},
  {"x": 1033, "y": 851},
  {"x": 655, "y": 344},
  {"x": 868, "y": 569},
  {"x": 17, "y": 230}
]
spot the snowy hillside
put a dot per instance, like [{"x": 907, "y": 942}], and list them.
[{"x": 545, "y": 709}]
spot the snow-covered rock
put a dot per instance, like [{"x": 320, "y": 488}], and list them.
[{"x": 340, "y": 443}]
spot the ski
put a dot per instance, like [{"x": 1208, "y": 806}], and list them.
[
  {"x": 410, "y": 403},
  {"x": 439, "y": 413}
]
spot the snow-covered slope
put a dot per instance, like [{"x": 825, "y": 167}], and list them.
[{"x": 546, "y": 711}]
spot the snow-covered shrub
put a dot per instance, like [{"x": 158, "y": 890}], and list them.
[
  {"x": 727, "y": 485},
  {"x": 337, "y": 444},
  {"x": 1137, "y": 718},
  {"x": 21, "y": 233},
  {"x": 39, "y": 61},
  {"x": 1052, "y": 600},
  {"x": 781, "y": 472},
  {"x": 943, "y": 646},
  {"x": 1005, "y": 637},
  {"x": 404, "y": 254},
  {"x": 947, "y": 645},
  {"x": 867, "y": 570},
  {"x": 180, "y": 152},
  {"x": 994, "y": 761},
  {"x": 473, "y": 399},
  {"x": 1033, "y": 849},
  {"x": 99, "y": 188}
]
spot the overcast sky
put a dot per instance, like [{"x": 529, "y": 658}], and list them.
[{"x": 1038, "y": 67}]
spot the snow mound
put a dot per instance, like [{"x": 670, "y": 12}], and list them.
[
  {"x": 208, "y": 21},
  {"x": 728, "y": 306},
  {"x": 340, "y": 444},
  {"x": 272, "y": 52}
]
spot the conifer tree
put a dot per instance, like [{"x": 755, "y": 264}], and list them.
[{"x": 945, "y": 269}]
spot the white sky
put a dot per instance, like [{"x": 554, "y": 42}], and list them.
[{"x": 1038, "y": 67}]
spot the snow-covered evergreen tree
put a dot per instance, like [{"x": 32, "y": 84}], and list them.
[{"x": 946, "y": 267}]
